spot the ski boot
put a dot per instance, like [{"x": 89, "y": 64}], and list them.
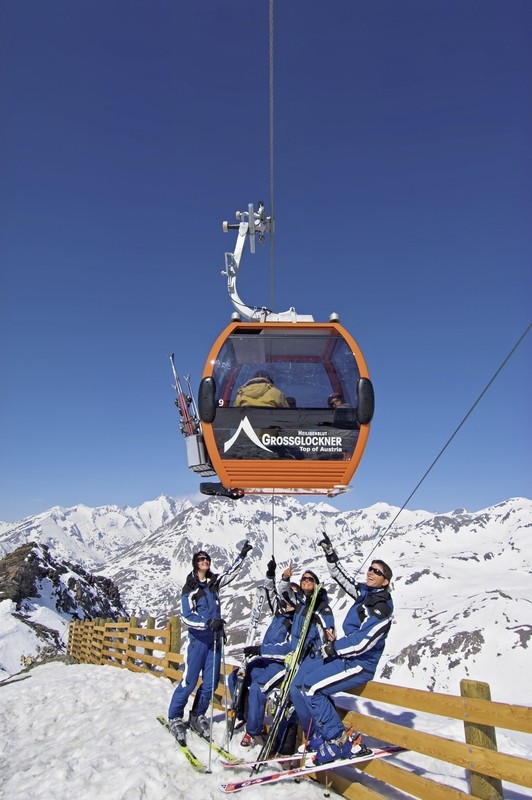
[
  {"x": 347, "y": 745},
  {"x": 177, "y": 728},
  {"x": 249, "y": 740},
  {"x": 200, "y": 724}
]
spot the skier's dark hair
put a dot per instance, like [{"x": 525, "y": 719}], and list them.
[
  {"x": 196, "y": 557},
  {"x": 388, "y": 574}
]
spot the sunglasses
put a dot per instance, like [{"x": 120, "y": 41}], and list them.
[
  {"x": 308, "y": 578},
  {"x": 208, "y": 560},
  {"x": 376, "y": 571}
]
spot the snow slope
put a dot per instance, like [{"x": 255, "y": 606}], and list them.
[{"x": 81, "y": 731}]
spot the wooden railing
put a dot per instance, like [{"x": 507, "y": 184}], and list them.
[
  {"x": 156, "y": 650},
  {"x": 127, "y": 644}
]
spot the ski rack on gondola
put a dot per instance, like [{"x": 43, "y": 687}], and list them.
[{"x": 190, "y": 426}]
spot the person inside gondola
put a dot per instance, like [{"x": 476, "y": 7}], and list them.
[
  {"x": 260, "y": 392},
  {"x": 336, "y": 401},
  {"x": 344, "y": 418}
]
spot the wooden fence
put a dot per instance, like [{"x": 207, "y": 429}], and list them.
[
  {"x": 127, "y": 644},
  {"x": 156, "y": 650}
]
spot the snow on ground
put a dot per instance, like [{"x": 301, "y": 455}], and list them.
[
  {"x": 16, "y": 640},
  {"x": 82, "y": 731}
]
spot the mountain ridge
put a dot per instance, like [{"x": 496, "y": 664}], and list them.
[
  {"x": 100, "y": 532},
  {"x": 460, "y": 578}
]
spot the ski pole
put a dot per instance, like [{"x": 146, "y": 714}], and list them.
[
  {"x": 215, "y": 654},
  {"x": 226, "y": 702}
]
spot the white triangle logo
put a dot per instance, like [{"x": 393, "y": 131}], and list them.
[{"x": 245, "y": 427}]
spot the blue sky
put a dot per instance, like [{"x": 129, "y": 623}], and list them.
[{"x": 131, "y": 130}]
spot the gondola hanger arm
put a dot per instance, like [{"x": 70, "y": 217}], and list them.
[{"x": 251, "y": 223}]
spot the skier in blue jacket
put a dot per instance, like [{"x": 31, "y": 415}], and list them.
[
  {"x": 320, "y": 629},
  {"x": 266, "y": 662},
  {"x": 350, "y": 660},
  {"x": 200, "y": 609}
]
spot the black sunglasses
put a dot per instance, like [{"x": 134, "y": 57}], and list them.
[
  {"x": 202, "y": 558},
  {"x": 376, "y": 571},
  {"x": 308, "y": 578}
]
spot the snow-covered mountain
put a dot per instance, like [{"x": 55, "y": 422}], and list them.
[
  {"x": 461, "y": 579},
  {"x": 90, "y": 536}
]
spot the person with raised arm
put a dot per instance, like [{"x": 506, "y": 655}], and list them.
[
  {"x": 201, "y": 612},
  {"x": 349, "y": 660}
]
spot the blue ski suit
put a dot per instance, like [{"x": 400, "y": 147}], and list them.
[
  {"x": 312, "y": 659},
  {"x": 267, "y": 669},
  {"x": 200, "y": 603},
  {"x": 264, "y": 670},
  {"x": 358, "y": 651}
]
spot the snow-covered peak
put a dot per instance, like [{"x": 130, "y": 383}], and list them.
[{"x": 91, "y": 536}]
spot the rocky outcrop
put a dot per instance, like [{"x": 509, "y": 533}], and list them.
[{"x": 30, "y": 572}]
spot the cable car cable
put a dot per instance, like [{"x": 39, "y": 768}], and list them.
[
  {"x": 273, "y": 526},
  {"x": 448, "y": 442},
  {"x": 272, "y": 208}
]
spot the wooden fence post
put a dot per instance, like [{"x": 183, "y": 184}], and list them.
[
  {"x": 120, "y": 642},
  {"x": 130, "y": 648},
  {"x": 482, "y": 786},
  {"x": 150, "y": 623},
  {"x": 175, "y": 634},
  {"x": 86, "y": 641},
  {"x": 97, "y": 640},
  {"x": 73, "y": 638},
  {"x": 70, "y": 640}
]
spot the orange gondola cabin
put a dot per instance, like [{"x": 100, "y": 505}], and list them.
[{"x": 285, "y": 403}]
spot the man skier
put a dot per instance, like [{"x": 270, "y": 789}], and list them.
[
  {"x": 200, "y": 611},
  {"x": 350, "y": 660}
]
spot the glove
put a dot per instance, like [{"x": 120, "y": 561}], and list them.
[
  {"x": 328, "y": 549},
  {"x": 270, "y": 572},
  {"x": 288, "y": 659},
  {"x": 216, "y": 624},
  {"x": 328, "y": 650},
  {"x": 246, "y": 548},
  {"x": 252, "y": 650}
]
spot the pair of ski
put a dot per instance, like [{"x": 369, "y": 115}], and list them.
[
  {"x": 284, "y": 691},
  {"x": 192, "y": 758},
  {"x": 261, "y": 596},
  {"x": 236, "y": 710},
  {"x": 299, "y": 771},
  {"x": 230, "y": 761}
]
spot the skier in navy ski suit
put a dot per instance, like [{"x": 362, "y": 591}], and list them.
[
  {"x": 322, "y": 621},
  {"x": 266, "y": 666},
  {"x": 350, "y": 660},
  {"x": 200, "y": 608}
]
